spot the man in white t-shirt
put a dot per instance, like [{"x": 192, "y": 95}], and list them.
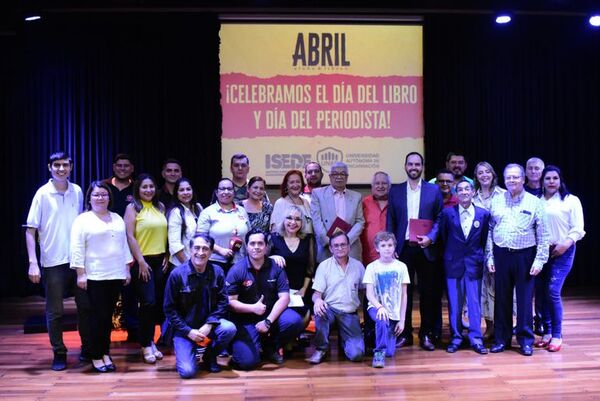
[
  {"x": 386, "y": 280},
  {"x": 51, "y": 215}
]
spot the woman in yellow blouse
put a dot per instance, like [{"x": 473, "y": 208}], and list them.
[{"x": 146, "y": 226}]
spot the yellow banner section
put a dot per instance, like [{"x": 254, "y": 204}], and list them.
[
  {"x": 363, "y": 155},
  {"x": 267, "y": 50}
]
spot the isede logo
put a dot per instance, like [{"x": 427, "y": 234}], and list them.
[{"x": 327, "y": 156}]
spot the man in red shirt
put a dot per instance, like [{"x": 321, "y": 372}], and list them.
[{"x": 375, "y": 211}]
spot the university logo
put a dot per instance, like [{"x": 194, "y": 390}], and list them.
[{"x": 327, "y": 156}]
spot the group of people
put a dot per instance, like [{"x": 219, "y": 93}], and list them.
[{"x": 244, "y": 276}]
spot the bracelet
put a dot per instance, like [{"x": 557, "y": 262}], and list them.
[{"x": 267, "y": 323}]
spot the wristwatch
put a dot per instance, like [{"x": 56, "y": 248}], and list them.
[{"x": 268, "y": 323}]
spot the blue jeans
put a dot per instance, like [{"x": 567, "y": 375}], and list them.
[
  {"x": 248, "y": 341},
  {"x": 185, "y": 349},
  {"x": 385, "y": 337},
  {"x": 349, "y": 331},
  {"x": 146, "y": 292},
  {"x": 553, "y": 277},
  {"x": 57, "y": 279}
]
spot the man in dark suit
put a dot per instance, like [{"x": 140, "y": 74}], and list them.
[
  {"x": 418, "y": 199},
  {"x": 463, "y": 229}
]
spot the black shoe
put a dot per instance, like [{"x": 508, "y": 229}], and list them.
[
  {"x": 498, "y": 347},
  {"x": 427, "y": 344},
  {"x": 211, "y": 365},
  {"x": 526, "y": 350},
  {"x": 209, "y": 361},
  {"x": 275, "y": 357},
  {"x": 479, "y": 348},
  {"x": 100, "y": 369},
  {"x": 85, "y": 356},
  {"x": 303, "y": 340},
  {"x": 538, "y": 328},
  {"x": 59, "y": 362},
  {"x": 452, "y": 348},
  {"x": 404, "y": 342}
]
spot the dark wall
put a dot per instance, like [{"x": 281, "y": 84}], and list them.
[
  {"x": 143, "y": 84},
  {"x": 148, "y": 84},
  {"x": 506, "y": 93}
]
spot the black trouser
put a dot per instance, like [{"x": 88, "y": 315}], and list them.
[
  {"x": 512, "y": 272},
  {"x": 147, "y": 293},
  {"x": 430, "y": 280},
  {"x": 103, "y": 295}
]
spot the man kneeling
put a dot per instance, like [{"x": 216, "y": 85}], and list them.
[
  {"x": 336, "y": 299},
  {"x": 195, "y": 304},
  {"x": 259, "y": 294}
]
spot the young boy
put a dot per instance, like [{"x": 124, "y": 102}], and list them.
[{"x": 386, "y": 280}]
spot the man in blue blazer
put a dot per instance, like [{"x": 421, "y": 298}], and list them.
[
  {"x": 333, "y": 201},
  {"x": 463, "y": 230},
  {"x": 418, "y": 199}
]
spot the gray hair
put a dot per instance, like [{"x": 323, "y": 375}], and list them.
[{"x": 513, "y": 165}]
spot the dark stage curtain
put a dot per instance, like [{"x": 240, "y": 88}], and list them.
[
  {"x": 144, "y": 84},
  {"x": 507, "y": 93},
  {"x": 148, "y": 84}
]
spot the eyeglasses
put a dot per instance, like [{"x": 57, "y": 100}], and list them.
[
  {"x": 293, "y": 218},
  {"x": 339, "y": 174},
  {"x": 339, "y": 246},
  {"x": 223, "y": 189},
  {"x": 444, "y": 181},
  {"x": 98, "y": 196}
]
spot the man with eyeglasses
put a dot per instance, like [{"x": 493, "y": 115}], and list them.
[
  {"x": 517, "y": 249},
  {"x": 54, "y": 208},
  {"x": 336, "y": 299},
  {"x": 445, "y": 181},
  {"x": 337, "y": 204}
]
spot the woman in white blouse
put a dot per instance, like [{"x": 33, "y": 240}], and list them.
[
  {"x": 100, "y": 254},
  {"x": 565, "y": 225},
  {"x": 183, "y": 219}
]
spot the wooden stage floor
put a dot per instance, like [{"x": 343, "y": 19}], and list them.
[{"x": 413, "y": 374}]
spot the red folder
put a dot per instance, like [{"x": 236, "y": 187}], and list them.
[
  {"x": 418, "y": 227},
  {"x": 338, "y": 224}
]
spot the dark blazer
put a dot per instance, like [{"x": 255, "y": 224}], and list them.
[
  {"x": 430, "y": 206},
  {"x": 464, "y": 255}
]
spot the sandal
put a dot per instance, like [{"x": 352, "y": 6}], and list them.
[{"x": 148, "y": 355}]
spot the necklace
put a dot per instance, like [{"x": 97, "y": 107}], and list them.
[{"x": 296, "y": 202}]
